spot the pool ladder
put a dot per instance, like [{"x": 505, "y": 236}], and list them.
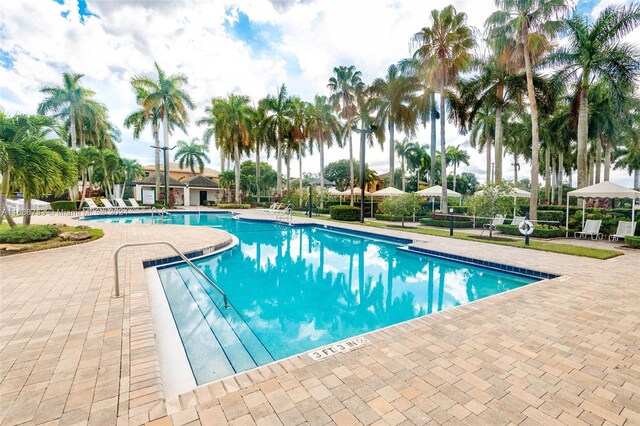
[{"x": 116, "y": 283}]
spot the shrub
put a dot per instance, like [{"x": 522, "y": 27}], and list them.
[
  {"x": 552, "y": 215},
  {"x": 347, "y": 213},
  {"x": 404, "y": 206},
  {"x": 446, "y": 223},
  {"x": 632, "y": 241},
  {"x": 28, "y": 234},
  {"x": 539, "y": 231},
  {"x": 233, "y": 206},
  {"x": 439, "y": 216},
  {"x": 64, "y": 206}
]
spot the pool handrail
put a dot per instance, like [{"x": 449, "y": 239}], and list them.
[{"x": 116, "y": 284}]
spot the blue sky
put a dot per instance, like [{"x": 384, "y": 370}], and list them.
[{"x": 223, "y": 46}]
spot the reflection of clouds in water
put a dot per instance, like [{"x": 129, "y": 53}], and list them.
[
  {"x": 309, "y": 331},
  {"x": 421, "y": 276},
  {"x": 253, "y": 317},
  {"x": 372, "y": 258},
  {"x": 456, "y": 285}
]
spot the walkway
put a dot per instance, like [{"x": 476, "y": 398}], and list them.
[{"x": 565, "y": 351}]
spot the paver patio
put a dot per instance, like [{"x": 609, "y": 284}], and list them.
[{"x": 564, "y": 351}]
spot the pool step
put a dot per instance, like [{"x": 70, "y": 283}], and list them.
[{"x": 231, "y": 345}]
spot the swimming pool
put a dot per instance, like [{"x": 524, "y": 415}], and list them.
[{"x": 296, "y": 288}]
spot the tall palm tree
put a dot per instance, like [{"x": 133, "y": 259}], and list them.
[
  {"x": 108, "y": 167},
  {"x": 233, "y": 121},
  {"x": 345, "y": 85},
  {"x": 481, "y": 127},
  {"x": 446, "y": 46},
  {"x": 191, "y": 154},
  {"x": 527, "y": 26},
  {"x": 165, "y": 93},
  {"x": 132, "y": 169},
  {"x": 393, "y": 98},
  {"x": 457, "y": 156},
  {"x": 66, "y": 99},
  {"x": 277, "y": 125},
  {"x": 419, "y": 161},
  {"x": 403, "y": 149},
  {"x": 628, "y": 157},
  {"x": 595, "y": 49},
  {"x": 323, "y": 128},
  {"x": 87, "y": 157}
]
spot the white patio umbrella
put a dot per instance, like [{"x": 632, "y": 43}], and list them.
[
  {"x": 389, "y": 191},
  {"x": 436, "y": 191},
  {"x": 603, "y": 190}
]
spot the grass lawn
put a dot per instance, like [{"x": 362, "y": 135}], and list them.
[
  {"x": 54, "y": 242},
  {"x": 569, "y": 249}
]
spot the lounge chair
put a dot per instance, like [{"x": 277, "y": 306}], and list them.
[
  {"x": 497, "y": 220},
  {"x": 135, "y": 204},
  {"x": 92, "y": 205},
  {"x": 271, "y": 208},
  {"x": 625, "y": 229},
  {"x": 517, "y": 220},
  {"x": 107, "y": 203},
  {"x": 120, "y": 202},
  {"x": 591, "y": 229}
]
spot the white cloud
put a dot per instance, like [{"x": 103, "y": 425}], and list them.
[{"x": 303, "y": 41}]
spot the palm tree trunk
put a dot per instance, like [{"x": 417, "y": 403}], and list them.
[
  {"x": 443, "y": 148},
  {"x": 300, "y": 167},
  {"x": 221, "y": 161},
  {"x": 4, "y": 192},
  {"x": 593, "y": 171},
  {"x": 515, "y": 168},
  {"x": 321, "y": 149},
  {"x": 498, "y": 138},
  {"x": 236, "y": 155},
  {"x": 279, "y": 165},
  {"x": 432, "y": 175},
  {"x": 554, "y": 176},
  {"x": 392, "y": 150},
  {"x": 559, "y": 178},
  {"x": 156, "y": 140},
  {"x": 72, "y": 122},
  {"x": 165, "y": 137},
  {"x": 455, "y": 171},
  {"x": 487, "y": 147},
  {"x": 636, "y": 179},
  {"x": 607, "y": 158},
  {"x": 26, "y": 219},
  {"x": 535, "y": 143},
  {"x": 598, "y": 158},
  {"x": 404, "y": 178},
  {"x": 258, "y": 172},
  {"x": 583, "y": 132},
  {"x": 288, "y": 160},
  {"x": 547, "y": 174},
  {"x": 351, "y": 162}
]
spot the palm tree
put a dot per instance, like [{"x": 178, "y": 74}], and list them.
[
  {"x": 481, "y": 127},
  {"x": 65, "y": 99},
  {"x": 132, "y": 169},
  {"x": 87, "y": 157},
  {"x": 345, "y": 85},
  {"x": 526, "y": 26},
  {"x": 323, "y": 127},
  {"x": 227, "y": 179},
  {"x": 419, "y": 161},
  {"x": 108, "y": 167},
  {"x": 166, "y": 94},
  {"x": 276, "y": 125},
  {"x": 457, "y": 156},
  {"x": 233, "y": 121},
  {"x": 393, "y": 97},
  {"x": 191, "y": 154},
  {"x": 403, "y": 149},
  {"x": 446, "y": 47},
  {"x": 628, "y": 157},
  {"x": 595, "y": 50}
]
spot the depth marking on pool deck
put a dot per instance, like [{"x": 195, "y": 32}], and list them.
[{"x": 344, "y": 346}]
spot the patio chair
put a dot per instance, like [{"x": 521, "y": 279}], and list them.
[
  {"x": 591, "y": 229},
  {"x": 625, "y": 229},
  {"x": 517, "y": 220},
  {"x": 92, "y": 205},
  {"x": 273, "y": 207},
  {"x": 135, "y": 204},
  {"x": 120, "y": 202},
  {"x": 107, "y": 203},
  {"x": 497, "y": 220}
]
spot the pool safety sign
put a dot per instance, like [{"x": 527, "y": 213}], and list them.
[{"x": 344, "y": 346}]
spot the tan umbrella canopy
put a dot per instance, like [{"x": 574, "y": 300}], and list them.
[
  {"x": 436, "y": 191},
  {"x": 389, "y": 191},
  {"x": 356, "y": 192},
  {"x": 334, "y": 192}
]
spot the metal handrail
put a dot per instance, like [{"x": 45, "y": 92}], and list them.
[{"x": 116, "y": 284}]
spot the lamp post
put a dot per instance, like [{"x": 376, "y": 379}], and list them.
[
  {"x": 363, "y": 136},
  {"x": 166, "y": 150}
]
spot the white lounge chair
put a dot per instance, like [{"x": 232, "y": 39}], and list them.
[
  {"x": 92, "y": 205},
  {"x": 120, "y": 202},
  {"x": 135, "y": 204},
  {"x": 273, "y": 207},
  {"x": 625, "y": 229},
  {"x": 517, "y": 220},
  {"x": 107, "y": 203},
  {"x": 591, "y": 229},
  {"x": 497, "y": 220}
]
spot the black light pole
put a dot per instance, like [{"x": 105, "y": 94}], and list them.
[{"x": 363, "y": 136}]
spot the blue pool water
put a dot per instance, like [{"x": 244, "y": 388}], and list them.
[{"x": 293, "y": 289}]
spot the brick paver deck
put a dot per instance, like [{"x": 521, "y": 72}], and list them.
[{"x": 564, "y": 351}]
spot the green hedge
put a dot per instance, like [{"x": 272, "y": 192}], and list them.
[
  {"x": 233, "y": 206},
  {"x": 633, "y": 241},
  {"x": 64, "y": 206},
  {"x": 446, "y": 223},
  {"x": 538, "y": 231},
  {"x": 347, "y": 213},
  {"x": 445, "y": 217},
  {"x": 389, "y": 218},
  {"x": 28, "y": 234},
  {"x": 552, "y": 215}
]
